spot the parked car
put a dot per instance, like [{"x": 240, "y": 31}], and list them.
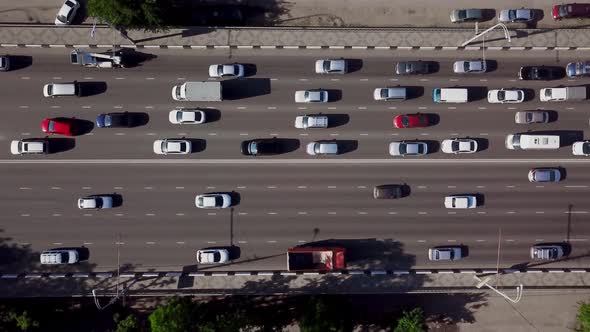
[
  {"x": 59, "y": 256},
  {"x": 227, "y": 70},
  {"x": 571, "y": 10},
  {"x": 29, "y": 146},
  {"x": 213, "y": 201},
  {"x": 452, "y": 253},
  {"x": 578, "y": 69},
  {"x": 322, "y": 148},
  {"x": 459, "y": 145},
  {"x": 411, "y": 120},
  {"x": 4, "y": 63},
  {"x": 466, "y": 15},
  {"x": 413, "y": 67},
  {"x": 505, "y": 96},
  {"x": 95, "y": 202},
  {"x": 114, "y": 120},
  {"x": 172, "y": 146},
  {"x": 581, "y": 148},
  {"x": 390, "y": 94},
  {"x": 60, "y": 126},
  {"x": 331, "y": 66},
  {"x": 187, "y": 116},
  {"x": 547, "y": 251},
  {"x": 540, "y": 73},
  {"x": 461, "y": 202},
  {"x": 262, "y": 146},
  {"x": 469, "y": 66},
  {"x": 388, "y": 191},
  {"x": 67, "y": 12},
  {"x": 516, "y": 15},
  {"x": 545, "y": 175},
  {"x": 405, "y": 148},
  {"x": 311, "y": 96},
  {"x": 212, "y": 256},
  {"x": 529, "y": 117},
  {"x": 311, "y": 121}
]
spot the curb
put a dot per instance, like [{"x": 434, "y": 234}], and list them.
[
  {"x": 370, "y": 273},
  {"x": 308, "y": 47}
]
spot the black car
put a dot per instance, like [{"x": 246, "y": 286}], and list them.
[
  {"x": 261, "y": 147},
  {"x": 413, "y": 67},
  {"x": 114, "y": 120},
  {"x": 390, "y": 191},
  {"x": 541, "y": 73}
]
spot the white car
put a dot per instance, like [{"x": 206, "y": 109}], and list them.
[
  {"x": 516, "y": 15},
  {"x": 505, "y": 96},
  {"x": 213, "y": 201},
  {"x": 461, "y": 202},
  {"x": 581, "y": 148},
  {"x": 311, "y": 121},
  {"x": 387, "y": 94},
  {"x": 172, "y": 146},
  {"x": 311, "y": 96},
  {"x": 29, "y": 146},
  {"x": 212, "y": 256},
  {"x": 95, "y": 202},
  {"x": 227, "y": 70},
  {"x": 322, "y": 148},
  {"x": 187, "y": 116},
  {"x": 459, "y": 145},
  {"x": 66, "y": 13},
  {"x": 331, "y": 66},
  {"x": 404, "y": 148},
  {"x": 469, "y": 66}
]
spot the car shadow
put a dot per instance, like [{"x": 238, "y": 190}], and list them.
[
  {"x": 491, "y": 65},
  {"x": 482, "y": 143},
  {"x": 197, "y": 144},
  {"x": 249, "y": 69},
  {"x": 553, "y": 116},
  {"x": 132, "y": 58},
  {"x": 138, "y": 119},
  {"x": 287, "y": 145},
  {"x": 236, "y": 198},
  {"x": 117, "y": 199},
  {"x": 60, "y": 144},
  {"x": 488, "y": 14},
  {"x": 234, "y": 89},
  {"x": 529, "y": 94},
  {"x": 212, "y": 114},
  {"x": 433, "y": 146},
  {"x": 433, "y": 66},
  {"x": 354, "y": 65},
  {"x": 475, "y": 93},
  {"x": 334, "y": 95},
  {"x": 433, "y": 118},
  {"x": 82, "y": 126},
  {"x": 464, "y": 250},
  {"x": 414, "y": 92},
  {"x": 20, "y": 61},
  {"x": 538, "y": 15},
  {"x": 337, "y": 120},
  {"x": 88, "y": 89},
  {"x": 346, "y": 146},
  {"x": 480, "y": 199},
  {"x": 563, "y": 172}
]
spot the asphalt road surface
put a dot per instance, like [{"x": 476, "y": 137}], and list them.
[{"x": 293, "y": 199}]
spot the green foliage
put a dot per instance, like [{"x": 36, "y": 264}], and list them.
[
  {"x": 583, "y": 324},
  {"x": 411, "y": 321},
  {"x": 23, "y": 321},
  {"x": 320, "y": 316},
  {"x": 129, "y": 324},
  {"x": 148, "y": 15}
]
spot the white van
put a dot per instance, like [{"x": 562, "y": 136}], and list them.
[
  {"x": 59, "y": 256},
  {"x": 450, "y": 95},
  {"x": 532, "y": 142},
  {"x": 568, "y": 93},
  {"x": 61, "y": 89},
  {"x": 29, "y": 146}
]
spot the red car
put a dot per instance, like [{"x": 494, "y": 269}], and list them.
[
  {"x": 571, "y": 10},
  {"x": 411, "y": 121},
  {"x": 58, "y": 126}
]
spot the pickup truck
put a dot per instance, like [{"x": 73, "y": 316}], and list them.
[{"x": 316, "y": 259}]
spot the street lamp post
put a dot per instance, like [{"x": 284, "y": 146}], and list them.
[
  {"x": 506, "y": 33},
  {"x": 484, "y": 282}
]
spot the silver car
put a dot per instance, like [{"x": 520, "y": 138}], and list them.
[
  {"x": 466, "y": 15},
  {"x": 516, "y": 15},
  {"x": 445, "y": 253},
  {"x": 311, "y": 96},
  {"x": 227, "y": 70},
  {"x": 545, "y": 175},
  {"x": 469, "y": 66},
  {"x": 322, "y": 148},
  {"x": 547, "y": 251},
  {"x": 331, "y": 66},
  {"x": 95, "y": 202},
  {"x": 581, "y": 148},
  {"x": 67, "y": 12},
  {"x": 404, "y": 148},
  {"x": 528, "y": 117},
  {"x": 390, "y": 94}
]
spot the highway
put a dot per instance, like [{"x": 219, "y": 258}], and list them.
[{"x": 288, "y": 202}]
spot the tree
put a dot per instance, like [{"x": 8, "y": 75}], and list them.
[
  {"x": 129, "y": 324},
  {"x": 148, "y": 15},
  {"x": 176, "y": 316},
  {"x": 583, "y": 324},
  {"x": 23, "y": 321},
  {"x": 320, "y": 316},
  {"x": 411, "y": 321}
]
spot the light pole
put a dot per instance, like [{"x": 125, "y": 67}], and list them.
[
  {"x": 484, "y": 282},
  {"x": 506, "y": 33}
]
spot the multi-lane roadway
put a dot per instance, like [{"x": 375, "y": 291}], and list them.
[{"x": 288, "y": 202}]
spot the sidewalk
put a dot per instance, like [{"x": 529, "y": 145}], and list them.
[{"x": 316, "y": 38}]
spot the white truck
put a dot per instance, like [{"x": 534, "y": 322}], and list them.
[
  {"x": 568, "y": 93},
  {"x": 198, "y": 91},
  {"x": 532, "y": 142},
  {"x": 96, "y": 60}
]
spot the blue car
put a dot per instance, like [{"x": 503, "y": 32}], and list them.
[{"x": 113, "y": 120}]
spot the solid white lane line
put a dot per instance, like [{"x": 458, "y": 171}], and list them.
[
  {"x": 23, "y": 106},
  {"x": 361, "y": 187},
  {"x": 242, "y": 242},
  {"x": 150, "y": 242},
  {"x": 210, "y": 187},
  {"x": 451, "y": 240},
  {"x": 149, "y": 107},
  {"x": 119, "y": 214},
  {"x": 87, "y": 243},
  {"x": 451, "y": 212},
  {"x": 179, "y": 187},
  {"x": 180, "y": 214},
  {"x": 332, "y": 212},
  {"x": 118, "y": 106},
  {"x": 510, "y": 212},
  {"x": 182, "y": 242},
  {"x": 482, "y": 108},
  {"x": 509, "y": 240},
  {"x": 364, "y": 79},
  {"x": 480, "y": 240},
  {"x": 55, "y": 106},
  {"x": 481, "y": 212},
  {"x": 241, "y": 187},
  {"x": 303, "y": 134},
  {"x": 539, "y": 240},
  {"x": 451, "y": 187},
  {"x": 243, "y": 134},
  {"x": 581, "y": 186},
  {"x": 211, "y": 213},
  {"x": 242, "y": 213},
  {"x": 117, "y": 188},
  {"x": 301, "y": 212},
  {"x": 301, "y": 187},
  {"x": 539, "y": 186},
  {"x": 331, "y": 187},
  {"x": 422, "y": 107},
  {"x": 422, "y": 213},
  {"x": 87, "y": 214},
  {"x": 210, "y": 134},
  {"x": 391, "y": 212},
  {"x": 334, "y": 134},
  {"x": 271, "y": 213},
  {"x": 511, "y": 186},
  {"x": 150, "y": 214},
  {"x": 271, "y": 241},
  {"x": 148, "y": 188},
  {"x": 480, "y": 187},
  {"x": 421, "y": 241},
  {"x": 576, "y": 212},
  {"x": 271, "y": 187},
  {"x": 576, "y": 240},
  {"x": 539, "y": 212},
  {"x": 271, "y": 108},
  {"x": 24, "y": 188}
]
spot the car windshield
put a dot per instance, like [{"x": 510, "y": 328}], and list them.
[
  {"x": 62, "y": 18},
  {"x": 51, "y": 126},
  {"x": 327, "y": 65},
  {"x": 529, "y": 117},
  {"x": 466, "y": 66},
  {"x": 586, "y": 148},
  {"x": 108, "y": 120},
  {"x": 563, "y": 10},
  {"x": 384, "y": 93},
  {"x": 216, "y": 256},
  {"x": 455, "y": 146},
  {"x": 501, "y": 95},
  {"x": 512, "y": 14},
  {"x": 182, "y": 146},
  {"x": 200, "y": 199},
  {"x": 254, "y": 148},
  {"x": 403, "y": 148},
  {"x": 420, "y": 148},
  {"x": 218, "y": 201},
  {"x": 462, "y": 14},
  {"x": 405, "y": 121}
]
